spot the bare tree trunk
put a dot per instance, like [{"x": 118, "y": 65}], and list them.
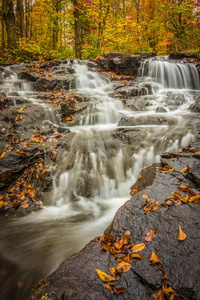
[
  {"x": 77, "y": 31},
  {"x": 20, "y": 18},
  {"x": 9, "y": 17}
]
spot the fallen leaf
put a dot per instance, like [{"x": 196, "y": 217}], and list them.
[
  {"x": 197, "y": 153},
  {"x": 150, "y": 235},
  {"x": 25, "y": 205},
  {"x": 139, "y": 176},
  {"x": 134, "y": 191},
  {"x": 194, "y": 198},
  {"x": 176, "y": 194},
  {"x": 21, "y": 110},
  {"x": 20, "y": 284},
  {"x": 119, "y": 290},
  {"x": 156, "y": 206},
  {"x": 138, "y": 247},
  {"x": 1, "y": 204},
  {"x": 185, "y": 198},
  {"x": 2, "y": 154},
  {"x": 127, "y": 233},
  {"x": 145, "y": 196},
  {"x": 184, "y": 188},
  {"x": 123, "y": 267},
  {"x": 104, "y": 277},
  {"x": 173, "y": 158},
  {"x": 138, "y": 256},
  {"x": 185, "y": 170},
  {"x": 153, "y": 257},
  {"x": 181, "y": 235},
  {"x": 112, "y": 271},
  {"x": 22, "y": 152}
]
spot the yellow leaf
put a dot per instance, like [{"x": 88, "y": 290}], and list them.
[
  {"x": 105, "y": 277},
  {"x": 168, "y": 290},
  {"x": 185, "y": 170},
  {"x": 124, "y": 266},
  {"x": 21, "y": 110},
  {"x": 134, "y": 191},
  {"x": 138, "y": 247},
  {"x": 181, "y": 235},
  {"x": 194, "y": 198},
  {"x": 2, "y": 154},
  {"x": 1, "y": 204},
  {"x": 138, "y": 256},
  {"x": 139, "y": 176},
  {"x": 145, "y": 196},
  {"x": 153, "y": 257}
]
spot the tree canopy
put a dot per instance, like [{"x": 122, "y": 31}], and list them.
[{"x": 35, "y": 29}]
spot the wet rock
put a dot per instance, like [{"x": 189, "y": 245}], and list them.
[
  {"x": 160, "y": 109},
  {"x": 44, "y": 84},
  {"x": 122, "y": 63},
  {"x": 137, "y": 104},
  {"x": 76, "y": 278},
  {"x": 13, "y": 164},
  {"x": 176, "y": 55},
  {"x": 146, "y": 120},
  {"x": 195, "y": 107}
]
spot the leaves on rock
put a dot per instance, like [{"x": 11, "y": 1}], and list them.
[
  {"x": 137, "y": 256},
  {"x": 139, "y": 176},
  {"x": 166, "y": 169},
  {"x": 181, "y": 235}
]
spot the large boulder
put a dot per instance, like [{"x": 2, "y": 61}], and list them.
[{"x": 76, "y": 278}]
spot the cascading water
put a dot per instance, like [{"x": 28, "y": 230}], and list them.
[{"x": 94, "y": 175}]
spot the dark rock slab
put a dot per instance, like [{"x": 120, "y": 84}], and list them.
[
  {"x": 44, "y": 84},
  {"x": 122, "y": 63},
  {"x": 76, "y": 278},
  {"x": 12, "y": 165}
]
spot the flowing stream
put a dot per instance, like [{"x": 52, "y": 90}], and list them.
[{"x": 97, "y": 169}]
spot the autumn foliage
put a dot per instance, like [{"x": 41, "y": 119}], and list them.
[{"x": 88, "y": 28}]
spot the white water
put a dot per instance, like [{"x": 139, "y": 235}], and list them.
[{"x": 94, "y": 175}]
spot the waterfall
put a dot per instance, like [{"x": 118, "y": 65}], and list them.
[
  {"x": 171, "y": 74},
  {"x": 109, "y": 143}
]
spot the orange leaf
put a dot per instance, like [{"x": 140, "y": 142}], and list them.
[
  {"x": 25, "y": 205},
  {"x": 22, "y": 152},
  {"x": 156, "y": 206},
  {"x": 139, "y": 176},
  {"x": 123, "y": 266},
  {"x": 185, "y": 170},
  {"x": 194, "y": 198},
  {"x": 181, "y": 235},
  {"x": 150, "y": 235},
  {"x": 176, "y": 194},
  {"x": 112, "y": 271},
  {"x": 138, "y": 247},
  {"x": 138, "y": 256},
  {"x": 2, "y": 154},
  {"x": 145, "y": 196},
  {"x": 105, "y": 277},
  {"x": 134, "y": 191},
  {"x": 153, "y": 257},
  {"x": 184, "y": 188}
]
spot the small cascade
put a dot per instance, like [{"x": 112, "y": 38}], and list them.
[{"x": 169, "y": 74}]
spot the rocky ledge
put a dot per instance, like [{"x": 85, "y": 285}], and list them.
[{"x": 162, "y": 216}]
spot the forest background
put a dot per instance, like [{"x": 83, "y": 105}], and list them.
[{"x": 39, "y": 29}]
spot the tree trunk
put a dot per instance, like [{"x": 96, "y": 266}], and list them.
[
  {"x": 9, "y": 17},
  {"x": 20, "y": 18},
  {"x": 27, "y": 9},
  {"x": 77, "y": 31},
  {"x": 2, "y": 28},
  {"x": 55, "y": 24}
]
